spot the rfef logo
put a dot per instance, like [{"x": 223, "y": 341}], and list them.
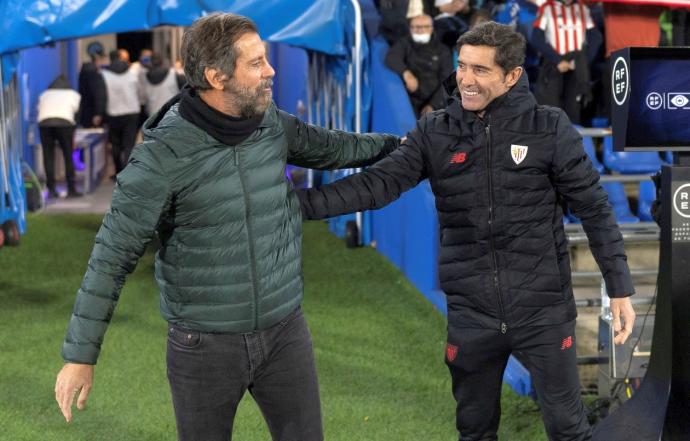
[
  {"x": 681, "y": 201},
  {"x": 654, "y": 100},
  {"x": 619, "y": 81}
]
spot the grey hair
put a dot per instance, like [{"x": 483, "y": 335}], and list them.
[{"x": 210, "y": 43}]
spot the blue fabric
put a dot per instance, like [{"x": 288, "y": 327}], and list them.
[
  {"x": 320, "y": 25},
  {"x": 311, "y": 24}
]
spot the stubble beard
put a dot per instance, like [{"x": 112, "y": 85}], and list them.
[{"x": 249, "y": 102}]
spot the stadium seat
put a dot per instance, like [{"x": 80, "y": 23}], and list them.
[
  {"x": 630, "y": 162},
  {"x": 600, "y": 122},
  {"x": 644, "y": 204},
  {"x": 591, "y": 152},
  {"x": 668, "y": 157},
  {"x": 619, "y": 202}
]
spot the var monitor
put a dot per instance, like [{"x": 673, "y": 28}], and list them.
[{"x": 650, "y": 103}]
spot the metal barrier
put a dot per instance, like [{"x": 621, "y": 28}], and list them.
[
  {"x": 12, "y": 205},
  {"x": 638, "y": 232},
  {"x": 327, "y": 95}
]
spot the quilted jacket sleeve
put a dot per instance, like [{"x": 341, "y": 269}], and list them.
[
  {"x": 315, "y": 147},
  {"x": 373, "y": 188},
  {"x": 139, "y": 198},
  {"x": 576, "y": 179}
]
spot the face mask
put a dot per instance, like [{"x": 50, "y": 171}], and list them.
[{"x": 421, "y": 38}]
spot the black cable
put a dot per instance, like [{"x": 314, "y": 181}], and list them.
[
  {"x": 639, "y": 337},
  {"x": 605, "y": 402}
]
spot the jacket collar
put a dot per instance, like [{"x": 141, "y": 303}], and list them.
[{"x": 168, "y": 126}]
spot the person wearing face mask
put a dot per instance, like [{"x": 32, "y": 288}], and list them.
[
  {"x": 423, "y": 63},
  {"x": 501, "y": 168}
]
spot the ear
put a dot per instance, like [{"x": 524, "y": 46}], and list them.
[
  {"x": 215, "y": 78},
  {"x": 513, "y": 76}
]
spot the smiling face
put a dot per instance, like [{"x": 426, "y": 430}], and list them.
[{"x": 480, "y": 80}]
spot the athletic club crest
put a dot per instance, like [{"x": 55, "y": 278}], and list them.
[
  {"x": 518, "y": 152},
  {"x": 451, "y": 351}
]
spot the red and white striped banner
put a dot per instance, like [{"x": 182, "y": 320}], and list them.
[{"x": 669, "y": 3}]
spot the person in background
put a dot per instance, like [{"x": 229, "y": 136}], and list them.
[
  {"x": 123, "y": 55},
  {"x": 500, "y": 168},
  {"x": 122, "y": 108},
  {"x": 57, "y": 109},
  {"x": 423, "y": 63},
  {"x": 395, "y": 15},
  {"x": 141, "y": 67},
  {"x": 92, "y": 88},
  {"x": 144, "y": 61},
  {"x": 159, "y": 85},
  {"x": 627, "y": 25},
  {"x": 452, "y": 20},
  {"x": 478, "y": 17},
  {"x": 568, "y": 41}
]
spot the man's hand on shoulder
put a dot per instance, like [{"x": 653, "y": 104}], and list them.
[
  {"x": 621, "y": 308},
  {"x": 73, "y": 378}
]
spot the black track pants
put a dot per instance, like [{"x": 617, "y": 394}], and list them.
[{"x": 477, "y": 358}]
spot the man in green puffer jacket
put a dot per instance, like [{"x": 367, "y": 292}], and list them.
[{"x": 210, "y": 180}]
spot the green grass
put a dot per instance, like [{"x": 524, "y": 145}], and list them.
[{"x": 379, "y": 347}]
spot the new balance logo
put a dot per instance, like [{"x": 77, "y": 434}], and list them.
[
  {"x": 451, "y": 352},
  {"x": 566, "y": 343},
  {"x": 458, "y": 158}
]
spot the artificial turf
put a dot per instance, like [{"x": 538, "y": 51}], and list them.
[{"x": 379, "y": 348}]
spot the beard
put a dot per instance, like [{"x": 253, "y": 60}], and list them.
[{"x": 249, "y": 101}]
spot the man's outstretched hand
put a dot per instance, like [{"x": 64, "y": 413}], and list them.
[{"x": 73, "y": 379}]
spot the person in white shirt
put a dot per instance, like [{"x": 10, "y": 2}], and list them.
[
  {"x": 122, "y": 109},
  {"x": 159, "y": 84},
  {"x": 57, "y": 109}
]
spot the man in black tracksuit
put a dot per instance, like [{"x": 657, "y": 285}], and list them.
[{"x": 499, "y": 165}]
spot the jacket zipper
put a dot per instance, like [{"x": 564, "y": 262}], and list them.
[
  {"x": 250, "y": 238},
  {"x": 497, "y": 287}
]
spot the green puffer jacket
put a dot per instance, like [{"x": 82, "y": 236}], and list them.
[{"x": 228, "y": 221}]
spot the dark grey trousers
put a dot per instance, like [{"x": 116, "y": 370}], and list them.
[{"x": 209, "y": 374}]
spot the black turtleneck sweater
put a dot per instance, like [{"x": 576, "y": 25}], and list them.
[{"x": 227, "y": 129}]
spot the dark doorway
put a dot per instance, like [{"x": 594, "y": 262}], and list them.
[{"x": 134, "y": 42}]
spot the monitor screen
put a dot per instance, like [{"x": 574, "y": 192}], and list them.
[
  {"x": 659, "y": 112},
  {"x": 651, "y": 98}
]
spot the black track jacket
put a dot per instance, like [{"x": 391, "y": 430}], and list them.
[{"x": 497, "y": 182}]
